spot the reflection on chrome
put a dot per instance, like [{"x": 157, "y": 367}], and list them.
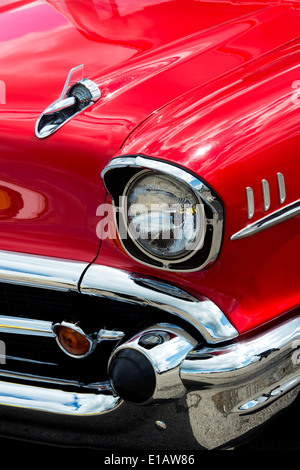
[
  {"x": 40, "y": 271},
  {"x": 78, "y": 94},
  {"x": 119, "y": 285},
  {"x": 25, "y": 326},
  {"x": 267, "y": 396},
  {"x": 156, "y": 353},
  {"x": 57, "y": 401},
  {"x": 231, "y": 366}
]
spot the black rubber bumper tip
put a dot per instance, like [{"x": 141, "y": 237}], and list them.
[{"x": 132, "y": 376}]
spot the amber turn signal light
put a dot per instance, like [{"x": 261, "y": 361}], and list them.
[{"x": 72, "y": 340}]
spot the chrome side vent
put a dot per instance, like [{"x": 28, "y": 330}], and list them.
[
  {"x": 265, "y": 195},
  {"x": 78, "y": 94}
]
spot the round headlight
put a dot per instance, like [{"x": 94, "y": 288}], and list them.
[{"x": 165, "y": 218}]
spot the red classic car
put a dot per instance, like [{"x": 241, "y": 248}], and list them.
[{"x": 149, "y": 206}]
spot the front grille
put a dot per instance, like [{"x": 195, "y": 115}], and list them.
[{"x": 32, "y": 302}]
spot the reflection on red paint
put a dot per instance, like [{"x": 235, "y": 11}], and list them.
[{"x": 20, "y": 203}]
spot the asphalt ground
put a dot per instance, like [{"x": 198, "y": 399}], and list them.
[{"x": 282, "y": 435}]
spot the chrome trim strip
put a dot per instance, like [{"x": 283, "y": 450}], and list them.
[
  {"x": 109, "y": 335},
  {"x": 119, "y": 285},
  {"x": 250, "y": 202},
  {"x": 281, "y": 215},
  {"x": 29, "y": 326},
  {"x": 281, "y": 187},
  {"x": 271, "y": 358},
  {"x": 270, "y": 395},
  {"x": 40, "y": 271},
  {"x": 35, "y": 378},
  {"x": 43, "y": 380},
  {"x": 56, "y": 401},
  {"x": 25, "y": 326},
  {"x": 266, "y": 194}
]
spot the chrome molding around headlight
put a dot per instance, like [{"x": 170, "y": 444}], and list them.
[
  {"x": 214, "y": 221},
  {"x": 140, "y": 161}
]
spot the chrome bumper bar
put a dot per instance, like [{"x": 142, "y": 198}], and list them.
[
  {"x": 227, "y": 389},
  {"x": 202, "y": 314},
  {"x": 270, "y": 360}
]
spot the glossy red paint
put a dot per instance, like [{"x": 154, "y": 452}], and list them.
[
  {"x": 40, "y": 42},
  {"x": 220, "y": 76},
  {"x": 235, "y": 132}
]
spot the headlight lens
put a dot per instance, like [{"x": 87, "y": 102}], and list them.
[{"x": 165, "y": 217}]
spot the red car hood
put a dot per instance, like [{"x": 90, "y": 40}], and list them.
[{"x": 142, "y": 54}]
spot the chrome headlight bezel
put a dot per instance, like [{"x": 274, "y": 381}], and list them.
[{"x": 119, "y": 174}]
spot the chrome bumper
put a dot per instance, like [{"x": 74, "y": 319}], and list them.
[
  {"x": 271, "y": 358},
  {"x": 228, "y": 388},
  {"x": 238, "y": 387}
]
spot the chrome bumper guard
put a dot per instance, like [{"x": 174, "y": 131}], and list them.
[{"x": 227, "y": 388}]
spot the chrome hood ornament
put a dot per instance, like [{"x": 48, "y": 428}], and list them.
[{"x": 78, "y": 94}]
